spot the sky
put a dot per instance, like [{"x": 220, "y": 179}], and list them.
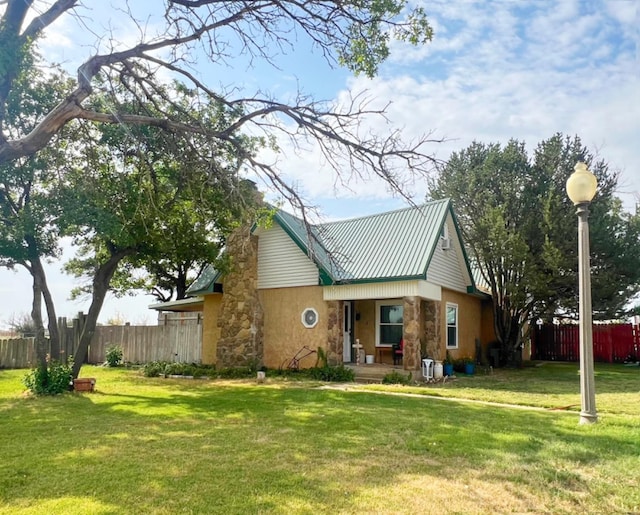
[{"x": 495, "y": 70}]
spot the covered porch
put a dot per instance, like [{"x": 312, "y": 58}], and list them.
[{"x": 374, "y": 317}]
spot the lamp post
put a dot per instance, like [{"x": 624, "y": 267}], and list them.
[{"x": 581, "y": 188}]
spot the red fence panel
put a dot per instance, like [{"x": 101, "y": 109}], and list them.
[{"x": 612, "y": 343}]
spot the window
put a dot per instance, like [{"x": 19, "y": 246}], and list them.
[
  {"x": 309, "y": 318},
  {"x": 452, "y": 326},
  {"x": 389, "y": 322}
]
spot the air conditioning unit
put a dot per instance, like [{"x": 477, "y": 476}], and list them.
[{"x": 445, "y": 243}]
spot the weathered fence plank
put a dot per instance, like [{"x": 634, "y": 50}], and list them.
[
  {"x": 17, "y": 352},
  {"x": 177, "y": 339}
]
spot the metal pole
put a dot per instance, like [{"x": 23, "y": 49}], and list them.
[{"x": 588, "y": 414}]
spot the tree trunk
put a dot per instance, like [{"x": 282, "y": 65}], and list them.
[
  {"x": 181, "y": 284},
  {"x": 101, "y": 282},
  {"x": 36, "y": 270},
  {"x": 54, "y": 335},
  {"x": 36, "y": 316},
  {"x": 507, "y": 328}
]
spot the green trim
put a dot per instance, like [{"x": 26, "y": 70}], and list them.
[
  {"x": 324, "y": 278},
  {"x": 443, "y": 220},
  {"x": 375, "y": 280},
  {"x": 460, "y": 240},
  {"x": 323, "y": 272}
]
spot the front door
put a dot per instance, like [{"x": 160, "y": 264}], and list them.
[{"x": 347, "y": 330}]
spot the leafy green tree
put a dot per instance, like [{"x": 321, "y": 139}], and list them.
[
  {"x": 28, "y": 214},
  {"x": 147, "y": 198},
  {"x": 520, "y": 229},
  {"x": 355, "y": 34}
]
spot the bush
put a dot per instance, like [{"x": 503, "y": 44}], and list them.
[
  {"x": 458, "y": 365},
  {"x": 55, "y": 379},
  {"x": 158, "y": 368},
  {"x": 236, "y": 372},
  {"x": 396, "y": 378},
  {"x": 154, "y": 368},
  {"x": 114, "y": 356},
  {"x": 338, "y": 374}
]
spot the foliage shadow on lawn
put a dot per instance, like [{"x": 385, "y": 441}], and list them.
[{"x": 240, "y": 448}]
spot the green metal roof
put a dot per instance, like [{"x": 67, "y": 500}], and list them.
[
  {"x": 386, "y": 246},
  {"x": 205, "y": 282}
]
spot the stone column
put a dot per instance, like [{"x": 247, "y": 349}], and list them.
[
  {"x": 411, "y": 333},
  {"x": 241, "y": 315},
  {"x": 335, "y": 323},
  {"x": 431, "y": 317}
]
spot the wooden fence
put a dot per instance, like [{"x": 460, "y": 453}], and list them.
[
  {"x": 17, "y": 352},
  {"x": 176, "y": 338},
  {"x": 612, "y": 343}
]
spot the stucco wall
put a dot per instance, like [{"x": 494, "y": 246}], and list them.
[
  {"x": 210, "y": 329},
  {"x": 365, "y": 328},
  {"x": 470, "y": 323},
  {"x": 284, "y": 333}
]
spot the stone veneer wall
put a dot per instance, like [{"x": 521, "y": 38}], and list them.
[
  {"x": 335, "y": 336},
  {"x": 411, "y": 333},
  {"x": 431, "y": 328},
  {"x": 241, "y": 315}
]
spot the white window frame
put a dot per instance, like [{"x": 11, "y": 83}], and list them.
[
  {"x": 457, "y": 325},
  {"x": 379, "y": 304},
  {"x": 304, "y": 321}
]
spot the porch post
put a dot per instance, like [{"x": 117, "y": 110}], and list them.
[
  {"x": 334, "y": 332},
  {"x": 432, "y": 328},
  {"x": 411, "y": 333}
]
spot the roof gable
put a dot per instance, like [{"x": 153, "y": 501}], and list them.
[{"x": 395, "y": 245}]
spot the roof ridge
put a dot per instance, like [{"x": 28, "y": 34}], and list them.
[{"x": 374, "y": 215}]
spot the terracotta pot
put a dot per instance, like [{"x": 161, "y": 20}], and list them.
[{"x": 84, "y": 384}]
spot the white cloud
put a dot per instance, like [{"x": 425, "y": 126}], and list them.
[{"x": 495, "y": 70}]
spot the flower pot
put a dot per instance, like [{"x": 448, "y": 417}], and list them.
[
  {"x": 84, "y": 384},
  {"x": 470, "y": 368},
  {"x": 448, "y": 369}
]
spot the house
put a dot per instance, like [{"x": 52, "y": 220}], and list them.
[{"x": 376, "y": 280}]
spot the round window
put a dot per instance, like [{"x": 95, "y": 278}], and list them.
[{"x": 309, "y": 318}]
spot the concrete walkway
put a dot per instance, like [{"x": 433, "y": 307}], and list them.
[{"x": 351, "y": 387}]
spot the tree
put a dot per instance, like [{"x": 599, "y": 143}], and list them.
[
  {"x": 138, "y": 189},
  {"x": 28, "y": 232},
  {"x": 195, "y": 192},
  {"x": 520, "y": 230},
  {"x": 355, "y": 34}
]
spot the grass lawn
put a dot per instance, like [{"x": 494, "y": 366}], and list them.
[{"x": 189, "y": 446}]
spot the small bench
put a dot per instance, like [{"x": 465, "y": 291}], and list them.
[{"x": 381, "y": 350}]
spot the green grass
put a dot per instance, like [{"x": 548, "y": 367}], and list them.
[
  {"x": 547, "y": 385},
  {"x": 177, "y": 446}
]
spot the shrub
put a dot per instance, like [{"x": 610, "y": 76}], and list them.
[
  {"x": 458, "y": 365},
  {"x": 396, "y": 378},
  {"x": 114, "y": 356},
  {"x": 56, "y": 378},
  {"x": 337, "y": 374},
  {"x": 236, "y": 372},
  {"x": 154, "y": 368},
  {"x": 158, "y": 368}
]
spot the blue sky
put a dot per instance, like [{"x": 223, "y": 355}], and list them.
[{"x": 495, "y": 70}]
